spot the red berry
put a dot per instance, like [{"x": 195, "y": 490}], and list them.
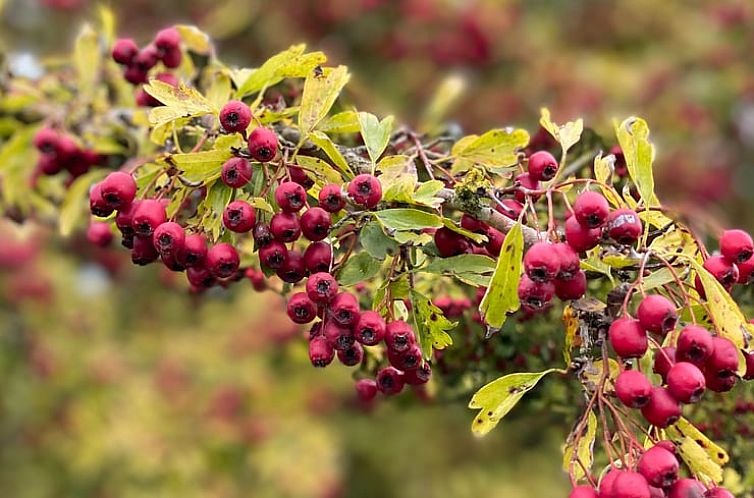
[
  {"x": 668, "y": 445},
  {"x": 99, "y": 234},
  {"x": 235, "y": 116},
  {"x": 49, "y": 164},
  {"x": 607, "y": 483},
  {"x": 285, "y": 227},
  {"x": 124, "y": 51},
  {"x": 301, "y": 309},
  {"x": 366, "y": 390},
  {"x": 318, "y": 257},
  {"x": 419, "y": 375},
  {"x": 694, "y": 345},
  {"x": 262, "y": 235},
  {"x": 510, "y": 208},
  {"x": 344, "y": 309},
  {"x": 407, "y": 360},
  {"x": 718, "y": 493},
  {"x": 542, "y": 166},
  {"x": 749, "y": 375},
  {"x": 222, "y": 260},
  {"x": 664, "y": 361},
  {"x": 473, "y": 225},
  {"x": 736, "y": 246},
  {"x": 745, "y": 271},
  {"x": 200, "y": 276},
  {"x": 495, "y": 240},
  {"x": 146, "y": 59},
  {"x": 663, "y": 409},
  {"x": 526, "y": 182},
  {"x": 570, "y": 264},
  {"x": 143, "y": 99},
  {"x": 290, "y": 196},
  {"x": 143, "y": 251},
  {"x": 97, "y": 205},
  {"x": 633, "y": 388},
  {"x": 657, "y": 314},
  {"x": 321, "y": 353},
  {"x": 321, "y": 288},
  {"x": 331, "y": 198},
  {"x": 172, "y": 58},
  {"x": 315, "y": 223},
  {"x": 724, "y": 357},
  {"x": 239, "y": 217},
  {"x": 719, "y": 382},
  {"x": 724, "y": 272},
  {"x": 370, "y": 329},
  {"x": 389, "y": 381},
  {"x": 236, "y": 172},
  {"x": 542, "y": 262},
  {"x": 630, "y": 485},
  {"x": 399, "y": 336},
  {"x": 352, "y": 356},
  {"x": 628, "y": 339},
  {"x": 167, "y": 39},
  {"x": 124, "y": 218},
  {"x": 135, "y": 75},
  {"x": 583, "y": 492},
  {"x": 46, "y": 140},
  {"x": 299, "y": 176},
  {"x": 686, "y": 382},
  {"x": 620, "y": 161},
  {"x": 263, "y": 144},
  {"x": 274, "y": 255},
  {"x": 194, "y": 250},
  {"x": 591, "y": 209},
  {"x": 450, "y": 243},
  {"x": 624, "y": 226},
  {"x": 293, "y": 270},
  {"x": 659, "y": 467},
  {"x": 573, "y": 288},
  {"x": 686, "y": 488},
  {"x": 365, "y": 190},
  {"x": 535, "y": 296},
  {"x": 579, "y": 237},
  {"x": 340, "y": 338},
  {"x": 169, "y": 238},
  {"x": 147, "y": 216}
]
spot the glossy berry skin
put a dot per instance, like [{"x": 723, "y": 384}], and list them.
[
  {"x": 167, "y": 39},
  {"x": 344, "y": 309},
  {"x": 143, "y": 251},
  {"x": 569, "y": 262},
  {"x": 662, "y": 410},
  {"x": 407, "y": 360},
  {"x": 450, "y": 243},
  {"x": 541, "y": 262},
  {"x": 659, "y": 467},
  {"x": 664, "y": 362},
  {"x": 352, "y": 356},
  {"x": 124, "y": 51},
  {"x": 583, "y": 492},
  {"x": 724, "y": 357},
  {"x": 736, "y": 246},
  {"x": 694, "y": 345},
  {"x": 340, "y": 338},
  {"x": 301, "y": 309},
  {"x": 510, "y": 208},
  {"x": 419, "y": 375},
  {"x": 194, "y": 250},
  {"x": 628, "y": 339},
  {"x": 290, "y": 196},
  {"x": 321, "y": 353},
  {"x": 366, "y": 390},
  {"x": 718, "y": 493},
  {"x": 99, "y": 234},
  {"x": 630, "y": 485},
  {"x": 657, "y": 314},
  {"x": 263, "y": 144},
  {"x": 686, "y": 382},
  {"x": 399, "y": 336},
  {"x": 719, "y": 382},
  {"x": 235, "y": 116},
  {"x": 365, "y": 190},
  {"x": 473, "y": 225},
  {"x": 274, "y": 255},
  {"x": 299, "y": 176},
  {"x": 147, "y": 216},
  {"x": 542, "y": 166},
  {"x": 285, "y": 227},
  {"x": 573, "y": 288},
  {"x": 370, "y": 329},
  {"x": 624, "y": 226},
  {"x": 315, "y": 224},
  {"x": 236, "y": 172},
  {"x": 607, "y": 483},
  {"x": 97, "y": 205},
  {"x": 535, "y": 296},
  {"x": 169, "y": 238},
  {"x": 331, "y": 198},
  {"x": 591, "y": 209},
  {"x": 124, "y": 218},
  {"x": 200, "y": 276},
  {"x": 686, "y": 488},
  {"x": 633, "y": 388},
  {"x": 318, "y": 257},
  {"x": 293, "y": 270},
  {"x": 222, "y": 260},
  {"x": 239, "y": 217},
  {"x": 724, "y": 272},
  {"x": 321, "y": 288},
  {"x": 389, "y": 381},
  {"x": 526, "y": 182},
  {"x": 745, "y": 271},
  {"x": 579, "y": 237},
  {"x": 495, "y": 240}
]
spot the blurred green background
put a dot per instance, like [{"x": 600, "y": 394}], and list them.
[{"x": 115, "y": 385}]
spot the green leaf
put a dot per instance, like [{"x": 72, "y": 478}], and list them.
[
  {"x": 584, "y": 451},
  {"x": 594, "y": 264},
  {"x": 476, "y": 237},
  {"x": 430, "y": 324},
  {"x": 497, "y": 149},
  {"x": 16, "y": 156},
  {"x": 408, "y": 219},
  {"x": 376, "y": 134},
  {"x": 322, "y": 141},
  {"x": 211, "y": 209},
  {"x": 358, "y": 268},
  {"x": 501, "y": 297},
  {"x": 461, "y": 264},
  {"x": 320, "y": 168},
  {"x": 633, "y": 137},
  {"x": 425, "y": 194},
  {"x": 291, "y": 63},
  {"x": 566, "y": 135},
  {"x": 321, "y": 90},
  {"x": 218, "y": 91},
  {"x": 74, "y": 206},
  {"x": 200, "y": 166},
  {"x": 497, "y": 398},
  {"x": 178, "y": 102},
  {"x": 343, "y": 122},
  {"x": 375, "y": 242},
  {"x": 86, "y": 59}
]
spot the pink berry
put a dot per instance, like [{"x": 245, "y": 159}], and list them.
[
  {"x": 570, "y": 263},
  {"x": 301, "y": 309},
  {"x": 583, "y": 492},
  {"x": 315, "y": 223},
  {"x": 657, "y": 314},
  {"x": 628, "y": 339},
  {"x": 274, "y": 255},
  {"x": 686, "y": 382},
  {"x": 542, "y": 166},
  {"x": 169, "y": 238},
  {"x": 235, "y": 116},
  {"x": 331, "y": 198},
  {"x": 686, "y": 488},
  {"x": 579, "y": 237},
  {"x": 285, "y": 227},
  {"x": 624, "y": 226},
  {"x": 365, "y": 190},
  {"x": 143, "y": 251},
  {"x": 591, "y": 209},
  {"x": 450, "y": 243},
  {"x": 124, "y": 51},
  {"x": 633, "y": 388},
  {"x": 222, "y": 260},
  {"x": 389, "y": 381},
  {"x": 664, "y": 361},
  {"x": 663, "y": 409},
  {"x": 542, "y": 262},
  {"x": 366, "y": 390},
  {"x": 97, "y": 205},
  {"x": 147, "y": 216},
  {"x": 399, "y": 336},
  {"x": 659, "y": 467},
  {"x": 344, "y": 309},
  {"x": 321, "y": 353},
  {"x": 239, "y": 217},
  {"x": 194, "y": 250},
  {"x": 724, "y": 271},
  {"x": 535, "y": 296},
  {"x": 694, "y": 345},
  {"x": 573, "y": 288},
  {"x": 370, "y": 329},
  {"x": 321, "y": 288},
  {"x": 290, "y": 196},
  {"x": 630, "y": 485},
  {"x": 236, "y": 172},
  {"x": 99, "y": 234},
  {"x": 318, "y": 257},
  {"x": 736, "y": 246},
  {"x": 263, "y": 144},
  {"x": 352, "y": 356}
]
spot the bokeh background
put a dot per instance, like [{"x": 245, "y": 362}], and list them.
[{"x": 114, "y": 385}]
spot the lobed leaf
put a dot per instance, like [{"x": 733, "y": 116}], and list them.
[
  {"x": 633, "y": 137},
  {"x": 566, "y": 135},
  {"x": 178, "y": 102},
  {"x": 501, "y": 297},
  {"x": 497, "y": 149},
  {"x": 430, "y": 324},
  {"x": 375, "y": 133},
  {"x": 321, "y": 90},
  {"x": 583, "y": 452},
  {"x": 408, "y": 219}
]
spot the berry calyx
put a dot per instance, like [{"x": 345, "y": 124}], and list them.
[
  {"x": 331, "y": 198},
  {"x": 352, "y": 356},
  {"x": 236, "y": 172},
  {"x": 301, "y": 309},
  {"x": 370, "y": 329},
  {"x": 169, "y": 238},
  {"x": 399, "y": 336},
  {"x": 290, "y": 196},
  {"x": 315, "y": 223},
  {"x": 235, "y": 116},
  {"x": 285, "y": 227},
  {"x": 222, "y": 260},
  {"x": 736, "y": 246},
  {"x": 591, "y": 209},
  {"x": 541, "y": 262},
  {"x": 542, "y": 166},
  {"x": 365, "y": 190},
  {"x": 633, "y": 388},
  {"x": 263, "y": 144},
  {"x": 662, "y": 409},
  {"x": 657, "y": 314},
  {"x": 274, "y": 255},
  {"x": 535, "y": 296},
  {"x": 321, "y": 288},
  {"x": 659, "y": 467},
  {"x": 389, "y": 381}
]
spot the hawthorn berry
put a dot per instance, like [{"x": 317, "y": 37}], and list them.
[
  {"x": 659, "y": 467},
  {"x": 301, "y": 309},
  {"x": 399, "y": 336},
  {"x": 473, "y": 225},
  {"x": 222, "y": 260},
  {"x": 607, "y": 483},
  {"x": 299, "y": 176},
  {"x": 719, "y": 382},
  {"x": 389, "y": 381},
  {"x": 686, "y": 488},
  {"x": 630, "y": 485},
  {"x": 736, "y": 246},
  {"x": 510, "y": 208},
  {"x": 321, "y": 288},
  {"x": 724, "y": 271},
  {"x": 591, "y": 209},
  {"x": 124, "y": 218},
  {"x": 263, "y": 144},
  {"x": 724, "y": 358},
  {"x": 365, "y": 190},
  {"x": 664, "y": 361},
  {"x": 370, "y": 329},
  {"x": 418, "y": 376},
  {"x": 366, "y": 390},
  {"x": 262, "y": 235},
  {"x": 315, "y": 223},
  {"x": 628, "y": 339},
  {"x": 495, "y": 240},
  {"x": 147, "y": 216},
  {"x": 172, "y": 58},
  {"x": 236, "y": 172},
  {"x": 167, "y": 39},
  {"x": 718, "y": 493},
  {"x": 450, "y": 243},
  {"x": 749, "y": 357},
  {"x": 624, "y": 226},
  {"x": 239, "y": 217},
  {"x": 257, "y": 279},
  {"x": 331, "y": 198},
  {"x": 135, "y": 75},
  {"x": 579, "y": 237},
  {"x": 344, "y": 309},
  {"x": 686, "y": 382},
  {"x": 143, "y": 251},
  {"x": 124, "y": 51},
  {"x": 46, "y": 140},
  {"x": 352, "y": 356},
  {"x": 542, "y": 166},
  {"x": 169, "y": 238},
  {"x": 339, "y": 337},
  {"x": 633, "y": 388},
  {"x": 274, "y": 255},
  {"x": 407, "y": 360},
  {"x": 745, "y": 271},
  {"x": 146, "y": 59},
  {"x": 318, "y": 257},
  {"x": 235, "y": 116},
  {"x": 620, "y": 161},
  {"x": 194, "y": 250},
  {"x": 99, "y": 234},
  {"x": 200, "y": 276},
  {"x": 572, "y": 288},
  {"x": 97, "y": 205},
  {"x": 526, "y": 182},
  {"x": 293, "y": 269},
  {"x": 694, "y": 345},
  {"x": 285, "y": 227},
  {"x": 534, "y": 296},
  {"x": 321, "y": 353},
  {"x": 657, "y": 314},
  {"x": 583, "y": 492},
  {"x": 569, "y": 262},
  {"x": 662, "y": 409},
  {"x": 541, "y": 262},
  {"x": 290, "y": 196},
  {"x": 49, "y": 165}
]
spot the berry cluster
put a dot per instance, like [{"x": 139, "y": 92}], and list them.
[
  {"x": 61, "y": 152},
  {"x": 735, "y": 263}
]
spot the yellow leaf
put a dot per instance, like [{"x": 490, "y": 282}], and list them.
[
  {"x": 343, "y": 122},
  {"x": 566, "y": 135},
  {"x": 74, "y": 205},
  {"x": 633, "y": 136},
  {"x": 322, "y": 141},
  {"x": 86, "y": 58},
  {"x": 572, "y": 332},
  {"x": 685, "y": 428},
  {"x": 180, "y": 102},
  {"x": 320, "y": 169},
  {"x": 321, "y": 90},
  {"x": 701, "y": 455},
  {"x": 194, "y": 38},
  {"x": 218, "y": 92},
  {"x": 501, "y": 296},
  {"x": 603, "y": 172},
  {"x": 497, "y": 149},
  {"x": 584, "y": 450}
]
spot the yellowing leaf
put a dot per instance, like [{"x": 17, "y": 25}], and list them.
[
  {"x": 74, "y": 206},
  {"x": 376, "y": 134},
  {"x": 572, "y": 332},
  {"x": 200, "y": 166},
  {"x": 194, "y": 38},
  {"x": 566, "y": 135},
  {"x": 291, "y": 63},
  {"x": 431, "y": 326},
  {"x": 501, "y": 297},
  {"x": 633, "y": 136},
  {"x": 321, "y": 90},
  {"x": 703, "y": 457},
  {"x": 476, "y": 237},
  {"x": 497, "y": 398},
  {"x": 320, "y": 168},
  {"x": 603, "y": 172},
  {"x": 583, "y": 452},
  {"x": 497, "y": 149},
  {"x": 322, "y": 141},
  {"x": 684, "y": 428},
  {"x": 405, "y": 219},
  {"x": 218, "y": 92},
  {"x": 180, "y": 102},
  {"x": 343, "y": 122},
  {"x": 86, "y": 59}
]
